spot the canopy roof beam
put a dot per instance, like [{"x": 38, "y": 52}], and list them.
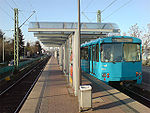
[
  {"x": 52, "y": 45},
  {"x": 51, "y": 41},
  {"x": 57, "y": 43},
  {"x": 52, "y": 38},
  {"x": 49, "y": 35}
]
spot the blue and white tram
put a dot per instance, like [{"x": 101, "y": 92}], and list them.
[{"x": 116, "y": 58}]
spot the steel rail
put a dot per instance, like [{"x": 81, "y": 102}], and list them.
[
  {"x": 129, "y": 91},
  {"x": 138, "y": 95},
  {"x": 23, "y": 100},
  {"x": 17, "y": 81}
]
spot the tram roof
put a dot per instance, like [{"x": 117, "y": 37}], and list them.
[
  {"x": 56, "y": 33},
  {"x": 109, "y": 40}
]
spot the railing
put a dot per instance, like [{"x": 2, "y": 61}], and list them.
[{"x": 8, "y": 70}]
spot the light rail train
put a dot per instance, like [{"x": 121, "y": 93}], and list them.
[{"x": 116, "y": 58}]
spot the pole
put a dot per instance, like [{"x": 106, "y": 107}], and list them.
[
  {"x": 16, "y": 39},
  {"x": 98, "y": 16},
  {"x": 3, "y": 49},
  {"x": 79, "y": 67}
]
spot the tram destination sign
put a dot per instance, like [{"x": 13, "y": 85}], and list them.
[{"x": 122, "y": 40}]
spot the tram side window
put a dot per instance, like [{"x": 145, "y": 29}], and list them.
[
  {"x": 93, "y": 53},
  {"x": 86, "y": 53},
  {"x": 82, "y": 53},
  {"x": 97, "y": 53}
]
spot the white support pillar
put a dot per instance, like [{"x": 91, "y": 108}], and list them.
[
  {"x": 62, "y": 66},
  {"x": 70, "y": 63},
  {"x": 60, "y": 56},
  {"x": 67, "y": 54},
  {"x": 55, "y": 53},
  {"x": 76, "y": 68},
  {"x": 64, "y": 58}
]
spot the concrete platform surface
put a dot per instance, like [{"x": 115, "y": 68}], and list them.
[{"x": 51, "y": 95}]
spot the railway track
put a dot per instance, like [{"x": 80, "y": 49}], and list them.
[
  {"x": 13, "y": 97},
  {"x": 134, "y": 92}
]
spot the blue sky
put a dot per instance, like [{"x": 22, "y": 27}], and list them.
[{"x": 135, "y": 11}]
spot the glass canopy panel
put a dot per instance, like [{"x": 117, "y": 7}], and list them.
[
  {"x": 71, "y": 25},
  {"x": 64, "y": 29}
]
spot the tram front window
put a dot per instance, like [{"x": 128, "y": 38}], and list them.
[
  {"x": 111, "y": 53},
  {"x": 132, "y": 52}
]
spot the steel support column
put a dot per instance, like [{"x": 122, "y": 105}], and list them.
[{"x": 16, "y": 39}]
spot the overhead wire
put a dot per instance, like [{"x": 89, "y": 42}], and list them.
[
  {"x": 6, "y": 13},
  {"x": 88, "y": 5},
  {"x": 31, "y": 9},
  {"x": 85, "y": 9},
  {"x": 102, "y": 10},
  {"x": 20, "y": 10},
  {"x": 18, "y": 7},
  {"x": 86, "y": 16},
  {"x": 9, "y": 5},
  {"x": 34, "y": 9},
  {"x": 30, "y": 4},
  {"x": 14, "y": 3},
  {"x": 109, "y": 5},
  {"x": 22, "y": 14},
  {"x": 118, "y": 9}
]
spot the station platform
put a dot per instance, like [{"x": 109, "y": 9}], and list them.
[{"x": 52, "y": 95}]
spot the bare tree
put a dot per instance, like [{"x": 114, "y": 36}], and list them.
[{"x": 135, "y": 31}]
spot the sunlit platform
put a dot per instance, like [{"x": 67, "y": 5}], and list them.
[{"x": 51, "y": 95}]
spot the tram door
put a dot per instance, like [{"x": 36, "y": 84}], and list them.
[
  {"x": 91, "y": 61},
  {"x": 94, "y": 59}
]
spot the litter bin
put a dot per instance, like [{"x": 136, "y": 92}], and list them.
[{"x": 85, "y": 98}]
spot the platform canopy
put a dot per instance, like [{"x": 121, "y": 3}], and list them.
[{"x": 54, "y": 34}]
